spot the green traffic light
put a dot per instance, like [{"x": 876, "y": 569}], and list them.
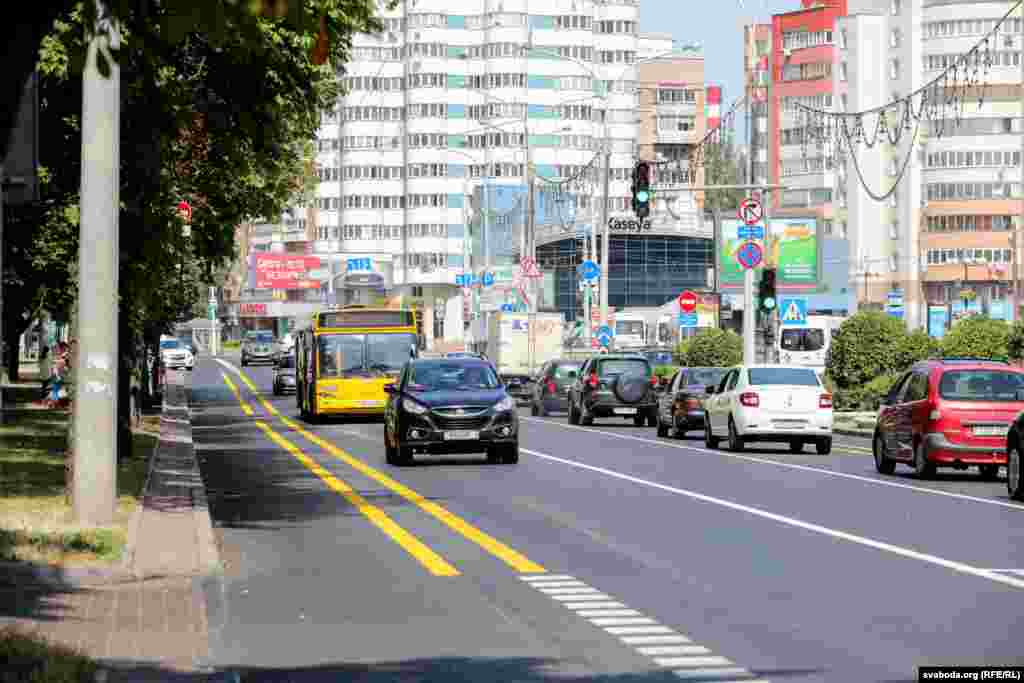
[
  {"x": 768, "y": 303},
  {"x": 643, "y": 197}
]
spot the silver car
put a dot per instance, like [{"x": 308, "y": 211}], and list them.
[{"x": 258, "y": 347}]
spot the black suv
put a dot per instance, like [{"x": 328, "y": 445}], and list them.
[
  {"x": 614, "y": 385},
  {"x": 551, "y": 390}
]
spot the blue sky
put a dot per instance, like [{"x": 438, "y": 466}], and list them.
[{"x": 719, "y": 27}]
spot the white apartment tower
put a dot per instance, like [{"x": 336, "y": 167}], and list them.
[
  {"x": 455, "y": 95},
  {"x": 945, "y": 237}
]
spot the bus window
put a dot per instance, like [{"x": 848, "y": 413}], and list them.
[
  {"x": 340, "y": 354},
  {"x": 803, "y": 339},
  {"x": 388, "y": 352}
]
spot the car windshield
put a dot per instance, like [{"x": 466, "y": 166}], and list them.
[
  {"x": 981, "y": 385},
  {"x": 451, "y": 377},
  {"x": 623, "y": 366},
  {"x": 659, "y": 357},
  {"x": 801, "y": 377},
  {"x": 562, "y": 370},
  {"x": 261, "y": 338},
  {"x": 803, "y": 339},
  {"x": 169, "y": 344},
  {"x": 704, "y": 376}
]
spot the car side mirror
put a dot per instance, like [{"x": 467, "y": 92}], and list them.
[
  {"x": 710, "y": 389},
  {"x": 390, "y": 389}
]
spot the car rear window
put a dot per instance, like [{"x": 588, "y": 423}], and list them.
[
  {"x": 981, "y": 385},
  {"x": 801, "y": 377},
  {"x": 623, "y": 366},
  {"x": 562, "y": 370},
  {"x": 704, "y": 376}
]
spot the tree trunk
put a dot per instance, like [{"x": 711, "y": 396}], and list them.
[{"x": 12, "y": 350}]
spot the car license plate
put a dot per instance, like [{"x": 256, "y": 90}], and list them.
[
  {"x": 461, "y": 435},
  {"x": 625, "y": 411},
  {"x": 990, "y": 430}
]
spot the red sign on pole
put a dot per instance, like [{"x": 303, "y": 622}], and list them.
[
  {"x": 688, "y": 302},
  {"x": 750, "y": 211},
  {"x": 285, "y": 271}
]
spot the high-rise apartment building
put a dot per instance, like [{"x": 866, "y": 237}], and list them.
[
  {"x": 757, "y": 47},
  {"x": 942, "y": 243}
]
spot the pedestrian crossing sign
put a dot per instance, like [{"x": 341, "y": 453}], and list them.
[{"x": 793, "y": 312}]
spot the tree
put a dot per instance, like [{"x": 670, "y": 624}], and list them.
[
  {"x": 914, "y": 347},
  {"x": 721, "y": 168},
  {"x": 712, "y": 347},
  {"x": 863, "y": 348},
  {"x": 978, "y": 337}
]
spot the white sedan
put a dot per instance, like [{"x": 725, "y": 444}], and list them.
[{"x": 772, "y": 403}]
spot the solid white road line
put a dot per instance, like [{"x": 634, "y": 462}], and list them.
[
  {"x": 794, "y": 466},
  {"x": 623, "y": 621},
  {"x": 692, "y": 662},
  {"x": 724, "y": 675},
  {"x": 661, "y": 650},
  {"x": 609, "y": 613},
  {"x": 674, "y": 639},
  {"x": 638, "y": 630},
  {"x": 798, "y": 523}
]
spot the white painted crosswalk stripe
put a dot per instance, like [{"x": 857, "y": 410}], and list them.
[
  {"x": 567, "y": 591},
  {"x": 579, "y": 598},
  {"x": 623, "y": 621},
  {"x": 637, "y": 630},
  {"x": 533, "y": 578},
  {"x": 673, "y": 638},
  {"x": 594, "y": 605},
  {"x": 718, "y": 675},
  {"x": 678, "y": 650},
  {"x": 692, "y": 662},
  {"x": 560, "y": 584},
  {"x": 609, "y": 613}
]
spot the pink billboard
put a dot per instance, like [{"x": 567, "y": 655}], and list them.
[{"x": 284, "y": 271}]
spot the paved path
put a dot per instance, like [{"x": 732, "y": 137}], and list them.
[{"x": 661, "y": 560}]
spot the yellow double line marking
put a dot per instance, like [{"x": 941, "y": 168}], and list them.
[
  {"x": 434, "y": 563},
  {"x": 509, "y": 556}
]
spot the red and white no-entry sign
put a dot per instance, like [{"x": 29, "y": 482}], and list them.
[
  {"x": 751, "y": 212},
  {"x": 688, "y": 302}
]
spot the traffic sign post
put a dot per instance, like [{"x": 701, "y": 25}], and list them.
[
  {"x": 589, "y": 271},
  {"x": 604, "y": 336},
  {"x": 688, "y": 302},
  {"x": 750, "y": 211},
  {"x": 750, "y": 232},
  {"x": 750, "y": 255}
]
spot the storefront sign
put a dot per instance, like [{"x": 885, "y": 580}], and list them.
[
  {"x": 628, "y": 225},
  {"x": 252, "y": 309}
]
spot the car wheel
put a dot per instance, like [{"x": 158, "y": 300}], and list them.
[
  {"x": 710, "y": 440},
  {"x": 533, "y": 409},
  {"x": 390, "y": 452},
  {"x": 541, "y": 410},
  {"x": 989, "y": 472},
  {"x": 922, "y": 467},
  {"x": 652, "y": 419},
  {"x": 883, "y": 463},
  {"x": 662, "y": 429},
  {"x": 586, "y": 419},
  {"x": 503, "y": 453},
  {"x": 796, "y": 446},
  {"x": 638, "y": 420},
  {"x": 735, "y": 440},
  {"x": 574, "y": 416},
  {"x": 824, "y": 445},
  {"x": 1013, "y": 473}
]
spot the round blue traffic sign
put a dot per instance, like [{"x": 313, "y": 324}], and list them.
[
  {"x": 604, "y": 339},
  {"x": 589, "y": 270},
  {"x": 604, "y": 331},
  {"x": 488, "y": 279},
  {"x": 750, "y": 255}
]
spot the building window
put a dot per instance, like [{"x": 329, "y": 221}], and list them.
[
  {"x": 895, "y": 7},
  {"x": 894, "y": 38},
  {"x": 843, "y": 73},
  {"x": 894, "y": 68},
  {"x": 842, "y": 39}
]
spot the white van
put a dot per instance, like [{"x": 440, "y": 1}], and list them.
[{"x": 807, "y": 344}]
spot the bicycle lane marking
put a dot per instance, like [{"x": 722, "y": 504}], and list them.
[
  {"x": 505, "y": 553},
  {"x": 430, "y": 560}
]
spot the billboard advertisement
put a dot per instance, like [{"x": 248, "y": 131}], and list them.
[
  {"x": 285, "y": 271},
  {"x": 791, "y": 245}
]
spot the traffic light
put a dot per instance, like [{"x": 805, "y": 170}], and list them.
[
  {"x": 766, "y": 291},
  {"x": 642, "y": 190}
]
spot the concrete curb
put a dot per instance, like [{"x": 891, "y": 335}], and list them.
[{"x": 852, "y": 432}]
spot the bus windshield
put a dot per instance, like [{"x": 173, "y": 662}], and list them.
[
  {"x": 803, "y": 339},
  {"x": 362, "y": 355}
]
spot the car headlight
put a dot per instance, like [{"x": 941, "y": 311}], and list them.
[
  {"x": 505, "y": 404},
  {"x": 413, "y": 407}
]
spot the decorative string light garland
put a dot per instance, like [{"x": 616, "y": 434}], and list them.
[{"x": 939, "y": 103}]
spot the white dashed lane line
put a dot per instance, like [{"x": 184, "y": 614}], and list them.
[{"x": 664, "y": 646}]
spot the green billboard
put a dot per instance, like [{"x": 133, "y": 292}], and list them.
[{"x": 790, "y": 244}]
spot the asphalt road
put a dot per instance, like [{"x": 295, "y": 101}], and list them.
[{"x": 606, "y": 554}]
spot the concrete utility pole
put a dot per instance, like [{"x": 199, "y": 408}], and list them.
[
  {"x": 607, "y": 152},
  {"x": 3, "y": 364},
  {"x": 95, "y": 440},
  {"x": 1015, "y": 294}
]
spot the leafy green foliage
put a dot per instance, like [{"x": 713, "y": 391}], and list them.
[
  {"x": 1015, "y": 341},
  {"x": 713, "y": 347},
  {"x": 722, "y": 167},
  {"x": 864, "y": 347},
  {"x": 914, "y": 347},
  {"x": 979, "y": 337}
]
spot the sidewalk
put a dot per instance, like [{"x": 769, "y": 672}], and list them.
[{"x": 146, "y": 619}]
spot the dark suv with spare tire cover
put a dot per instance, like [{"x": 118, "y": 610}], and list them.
[{"x": 614, "y": 385}]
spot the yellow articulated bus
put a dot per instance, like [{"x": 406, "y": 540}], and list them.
[{"x": 347, "y": 355}]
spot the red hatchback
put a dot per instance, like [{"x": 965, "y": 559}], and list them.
[{"x": 951, "y": 412}]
